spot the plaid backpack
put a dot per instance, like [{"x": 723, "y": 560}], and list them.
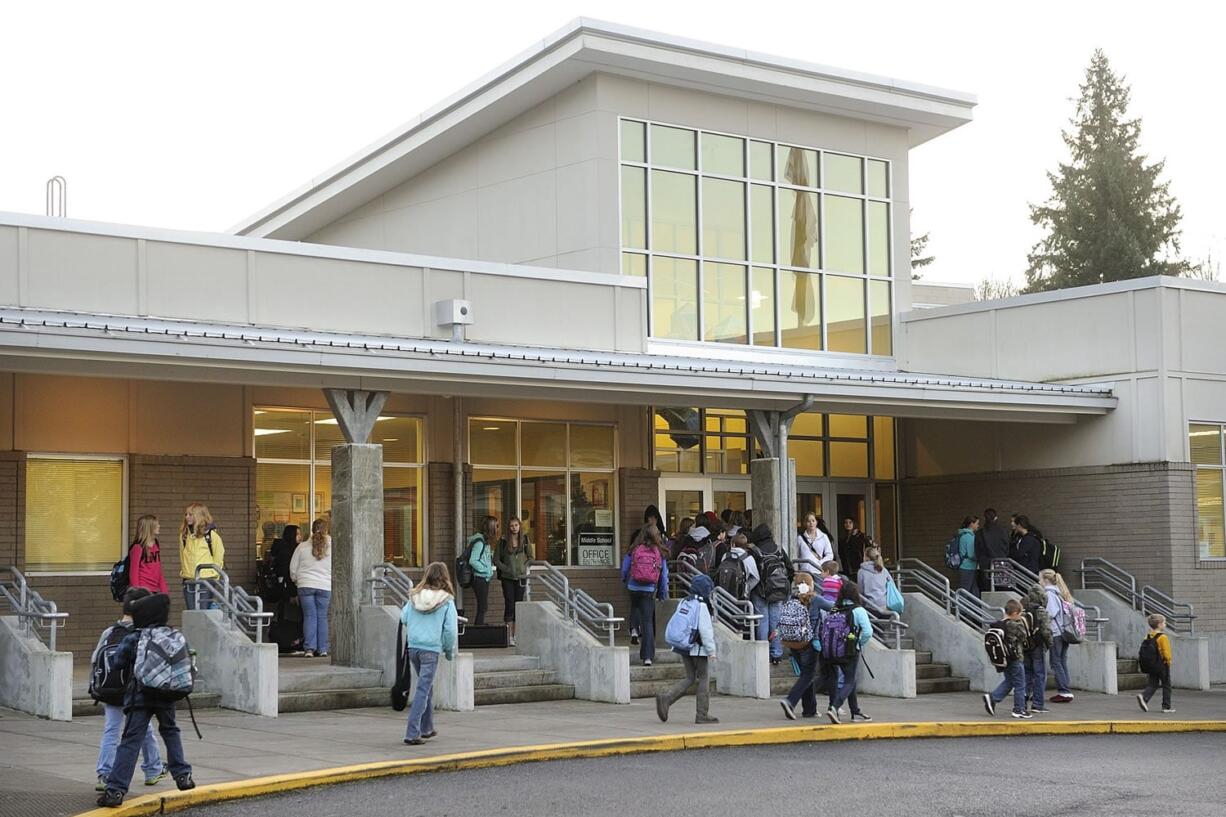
[{"x": 164, "y": 664}]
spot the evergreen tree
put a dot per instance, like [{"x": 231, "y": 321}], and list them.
[
  {"x": 919, "y": 259},
  {"x": 1109, "y": 217}
]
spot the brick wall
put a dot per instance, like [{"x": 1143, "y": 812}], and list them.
[
  {"x": 637, "y": 488},
  {"x": 1138, "y": 516},
  {"x": 12, "y": 507}
]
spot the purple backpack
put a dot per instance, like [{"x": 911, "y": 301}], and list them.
[
  {"x": 645, "y": 565},
  {"x": 839, "y": 636}
]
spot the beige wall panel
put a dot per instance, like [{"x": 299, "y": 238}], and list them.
[
  {"x": 533, "y": 312},
  {"x": 6, "y": 411},
  {"x": 1202, "y": 332},
  {"x": 586, "y": 260},
  {"x": 938, "y": 447},
  {"x": 446, "y": 227},
  {"x": 540, "y": 410},
  {"x": 369, "y": 232},
  {"x": 522, "y": 153},
  {"x": 177, "y": 273},
  {"x": 682, "y": 106},
  {"x": 622, "y": 95},
  {"x": 959, "y": 344},
  {"x": 1102, "y": 440},
  {"x": 98, "y": 271},
  {"x": 576, "y": 99},
  {"x": 821, "y": 130},
  {"x": 1084, "y": 337},
  {"x": 608, "y": 177},
  {"x": 578, "y": 211},
  {"x": 591, "y": 135},
  {"x": 186, "y": 419},
  {"x": 517, "y": 220},
  {"x": 1204, "y": 400},
  {"x": 632, "y": 320},
  {"x": 762, "y": 120},
  {"x": 8, "y": 266},
  {"x": 455, "y": 174},
  {"x": 1149, "y": 432},
  {"x": 83, "y": 415},
  {"x": 1146, "y": 329}
]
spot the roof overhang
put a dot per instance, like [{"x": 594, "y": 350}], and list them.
[
  {"x": 121, "y": 346},
  {"x": 582, "y": 47}
]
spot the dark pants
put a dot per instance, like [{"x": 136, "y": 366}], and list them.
[
  {"x": 644, "y": 605},
  {"x": 1014, "y": 681},
  {"x": 696, "y": 670},
  {"x": 830, "y": 682},
  {"x": 968, "y": 580},
  {"x": 481, "y": 589},
  {"x": 1036, "y": 677},
  {"x": 803, "y": 691},
  {"x": 1159, "y": 679},
  {"x": 134, "y": 729},
  {"x": 512, "y": 591}
]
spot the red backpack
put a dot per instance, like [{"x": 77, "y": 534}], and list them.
[{"x": 645, "y": 564}]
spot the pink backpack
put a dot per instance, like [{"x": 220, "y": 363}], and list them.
[{"x": 645, "y": 565}]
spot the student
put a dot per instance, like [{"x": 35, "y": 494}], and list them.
[
  {"x": 429, "y": 619},
  {"x": 874, "y": 580},
  {"x": 848, "y": 604},
  {"x": 832, "y": 582},
  {"x": 310, "y": 568},
  {"x": 697, "y": 657},
  {"x": 1028, "y": 548},
  {"x": 773, "y": 585},
  {"x": 1014, "y": 671},
  {"x": 145, "y": 557},
  {"x": 289, "y": 612},
  {"x": 804, "y": 692},
  {"x": 1059, "y": 605},
  {"x": 481, "y": 559},
  {"x": 1035, "y": 657},
  {"x": 812, "y": 545},
  {"x": 1157, "y": 665},
  {"x": 852, "y": 544},
  {"x": 645, "y": 574},
  {"x": 651, "y": 516},
  {"x": 968, "y": 569},
  {"x": 513, "y": 558},
  {"x": 112, "y": 708},
  {"x": 991, "y": 543},
  {"x": 141, "y": 706},
  {"x": 199, "y": 543},
  {"x": 682, "y": 539}
]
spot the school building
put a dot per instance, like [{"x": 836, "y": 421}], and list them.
[{"x": 608, "y": 274}]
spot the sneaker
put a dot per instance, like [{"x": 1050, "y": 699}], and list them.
[
  {"x": 110, "y": 799},
  {"x": 1142, "y": 703},
  {"x": 157, "y": 778},
  {"x": 1034, "y": 711},
  {"x": 433, "y": 733},
  {"x": 323, "y": 654},
  {"x": 833, "y": 715},
  {"x": 1023, "y": 716},
  {"x": 510, "y": 641},
  {"x": 647, "y": 662},
  {"x": 661, "y": 708},
  {"x": 788, "y": 710},
  {"x": 185, "y": 782},
  {"x": 309, "y": 654},
  {"x": 101, "y": 783},
  {"x": 989, "y": 704},
  {"x": 1168, "y": 711},
  {"x": 634, "y": 637},
  {"x": 413, "y": 741},
  {"x": 861, "y": 716},
  {"x": 705, "y": 719},
  {"x": 1061, "y": 698},
  {"x": 295, "y": 653}
]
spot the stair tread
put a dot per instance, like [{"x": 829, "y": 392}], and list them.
[
  {"x": 513, "y": 678},
  {"x": 523, "y": 694}
]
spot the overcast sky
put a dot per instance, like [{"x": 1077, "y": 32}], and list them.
[{"x": 194, "y": 115}]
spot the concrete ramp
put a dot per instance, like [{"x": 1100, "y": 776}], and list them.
[
  {"x": 597, "y": 672},
  {"x": 242, "y": 672},
  {"x": 33, "y": 679}
]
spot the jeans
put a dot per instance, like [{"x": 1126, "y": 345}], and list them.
[
  {"x": 189, "y": 597},
  {"x": 512, "y": 591},
  {"x": 696, "y": 670},
  {"x": 111, "y": 730},
  {"x": 135, "y": 731},
  {"x": 1036, "y": 677},
  {"x": 1159, "y": 679},
  {"x": 644, "y": 604},
  {"x": 844, "y": 689},
  {"x": 1059, "y": 664},
  {"x": 1014, "y": 679},
  {"x": 803, "y": 691},
  {"x": 768, "y": 623},
  {"x": 968, "y": 580},
  {"x": 314, "y": 604},
  {"x": 421, "y": 712},
  {"x": 481, "y": 589}
]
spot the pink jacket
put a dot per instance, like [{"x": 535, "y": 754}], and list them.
[{"x": 146, "y": 572}]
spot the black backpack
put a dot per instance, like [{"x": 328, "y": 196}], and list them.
[
  {"x": 404, "y": 677},
  {"x": 996, "y": 645},
  {"x": 731, "y": 574},
  {"x": 1150, "y": 658},
  {"x": 1033, "y": 638},
  {"x": 107, "y": 682},
  {"x": 773, "y": 582},
  {"x": 121, "y": 578},
  {"x": 463, "y": 567},
  {"x": 1049, "y": 555}
]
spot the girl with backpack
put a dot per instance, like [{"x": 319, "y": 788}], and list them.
[
  {"x": 844, "y": 632},
  {"x": 145, "y": 557},
  {"x": 482, "y": 563},
  {"x": 199, "y": 544},
  {"x": 645, "y": 574},
  {"x": 691, "y": 635},
  {"x": 513, "y": 558},
  {"x": 804, "y": 608},
  {"x": 429, "y": 619},
  {"x": 1059, "y": 609}
]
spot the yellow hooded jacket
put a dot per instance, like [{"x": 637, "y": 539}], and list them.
[{"x": 201, "y": 550}]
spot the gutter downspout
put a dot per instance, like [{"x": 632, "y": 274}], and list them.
[
  {"x": 785, "y": 468},
  {"x": 457, "y": 472}
]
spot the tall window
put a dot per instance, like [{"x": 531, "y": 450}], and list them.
[
  {"x": 1206, "y": 451},
  {"x": 560, "y": 480},
  {"x": 75, "y": 513},
  {"x": 758, "y": 243},
  {"x": 293, "y": 482},
  {"x": 702, "y": 441}
]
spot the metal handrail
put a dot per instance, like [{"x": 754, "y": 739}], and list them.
[
  {"x": 243, "y": 610},
  {"x": 576, "y": 605},
  {"x": 888, "y": 626},
  {"x": 388, "y": 584},
  {"x": 36, "y": 614},
  {"x": 737, "y": 614},
  {"x": 1009, "y": 574},
  {"x": 913, "y": 576},
  {"x": 1100, "y": 574},
  {"x": 974, "y": 611}
]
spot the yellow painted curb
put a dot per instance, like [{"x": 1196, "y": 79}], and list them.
[{"x": 155, "y": 804}]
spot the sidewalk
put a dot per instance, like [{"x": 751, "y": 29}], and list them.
[{"x": 54, "y": 762}]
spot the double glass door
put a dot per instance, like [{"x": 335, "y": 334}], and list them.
[{"x": 682, "y": 498}]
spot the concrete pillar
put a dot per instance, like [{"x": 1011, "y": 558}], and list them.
[
  {"x": 357, "y": 539},
  {"x": 765, "y": 492}
]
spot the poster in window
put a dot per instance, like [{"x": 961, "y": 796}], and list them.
[
  {"x": 300, "y": 503},
  {"x": 595, "y": 549}
]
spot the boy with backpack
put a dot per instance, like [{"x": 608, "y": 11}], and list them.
[
  {"x": 107, "y": 683},
  {"x": 692, "y": 636},
  {"x": 1038, "y": 642},
  {"x": 1009, "y": 636},
  {"x": 773, "y": 587},
  {"x": 157, "y": 659},
  {"x": 737, "y": 572},
  {"x": 1156, "y": 663}
]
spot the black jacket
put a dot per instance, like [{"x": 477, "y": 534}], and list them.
[
  {"x": 1029, "y": 549},
  {"x": 995, "y": 543},
  {"x": 851, "y": 551}
]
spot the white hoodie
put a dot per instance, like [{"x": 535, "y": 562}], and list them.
[{"x": 307, "y": 571}]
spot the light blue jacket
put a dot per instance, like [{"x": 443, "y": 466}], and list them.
[
  {"x": 705, "y": 629},
  {"x": 429, "y": 620},
  {"x": 966, "y": 549},
  {"x": 481, "y": 558}
]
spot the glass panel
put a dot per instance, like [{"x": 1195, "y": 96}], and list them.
[
  {"x": 800, "y": 310},
  {"x": 278, "y": 488},
  {"x": 760, "y": 161},
  {"x": 809, "y": 457},
  {"x": 849, "y": 425},
  {"x": 808, "y": 424},
  {"x": 762, "y": 302},
  {"x": 878, "y": 239},
  {"x": 677, "y": 439},
  {"x": 848, "y": 459},
  {"x": 724, "y": 155},
  {"x": 878, "y": 178},
  {"x": 491, "y": 442},
  {"x": 681, "y": 504},
  {"x": 845, "y": 314},
  {"x": 730, "y": 500},
  {"x": 798, "y": 228},
  {"x": 322, "y": 501},
  {"x": 634, "y": 207},
  {"x": 543, "y": 444},
  {"x": 591, "y": 519},
  {"x": 493, "y": 495},
  {"x": 327, "y": 434},
  {"x": 634, "y": 264},
  {"x": 882, "y": 334},
  {"x": 674, "y": 298},
  {"x": 762, "y": 209},
  {"x": 844, "y": 234},
  {"x": 674, "y": 213},
  {"x": 727, "y": 454},
  {"x": 723, "y": 303},
  {"x": 1210, "y": 525},
  {"x": 797, "y": 166},
  {"x": 842, "y": 173},
  {"x": 723, "y": 219},
  {"x": 883, "y": 447},
  {"x": 808, "y": 503},
  {"x": 885, "y": 522},
  {"x": 74, "y": 514},
  {"x": 543, "y": 513},
  {"x": 672, "y": 147},
  {"x": 403, "y": 530},
  {"x": 591, "y": 446},
  {"x": 282, "y": 435},
  {"x": 1205, "y": 443},
  {"x": 634, "y": 148},
  {"x": 400, "y": 438}
]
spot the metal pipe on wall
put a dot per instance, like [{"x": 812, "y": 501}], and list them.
[{"x": 457, "y": 473}]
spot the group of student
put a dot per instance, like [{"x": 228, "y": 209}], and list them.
[
  {"x": 511, "y": 555},
  {"x": 295, "y": 581},
  {"x": 979, "y": 542}
]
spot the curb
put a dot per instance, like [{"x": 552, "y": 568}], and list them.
[{"x": 155, "y": 804}]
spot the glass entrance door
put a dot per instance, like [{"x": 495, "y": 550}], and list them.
[{"x": 680, "y": 498}]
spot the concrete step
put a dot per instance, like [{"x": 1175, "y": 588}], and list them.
[
  {"x": 663, "y": 656},
  {"x": 649, "y": 689},
  {"x": 85, "y": 707},
  {"x": 523, "y": 694},
  {"x": 513, "y": 678},
  {"x": 325, "y": 677},
  {"x": 925, "y": 686},
  {"x": 658, "y": 672},
  {"x": 782, "y": 684},
  {"x": 932, "y": 671},
  {"x": 504, "y": 663},
  {"x": 1131, "y": 680},
  {"x": 324, "y": 700},
  {"x": 922, "y": 657},
  {"x": 1127, "y": 666}
]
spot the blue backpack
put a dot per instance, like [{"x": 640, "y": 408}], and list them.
[
  {"x": 953, "y": 551},
  {"x": 839, "y": 636},
  {"x": 682, "y": 630}
]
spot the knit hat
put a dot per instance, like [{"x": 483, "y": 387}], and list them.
[
  {"x": 702, "y": 586},
  {"x": 150, "y": 611}
]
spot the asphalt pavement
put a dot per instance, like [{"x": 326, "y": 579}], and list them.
[{"x": 1086, "y": 776}]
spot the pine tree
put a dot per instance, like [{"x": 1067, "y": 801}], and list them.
[
  {"x": 1109, "y": 217},
  {"x": 919, "y": 258}
]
